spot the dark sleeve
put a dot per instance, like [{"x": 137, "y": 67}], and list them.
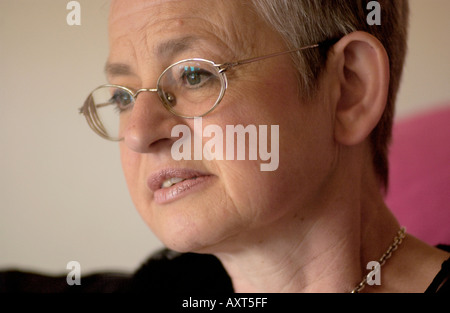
[
  {"x": 169, "y": 271},
  {"x": 164, "y": 272},
  {"x": 441, "y": 283},
  {"x": 14, "y": 281}
]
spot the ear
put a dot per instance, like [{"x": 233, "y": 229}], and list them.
[{"x": 362, "y": 66}]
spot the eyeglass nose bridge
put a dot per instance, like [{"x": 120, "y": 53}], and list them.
[{"x": 142, "y": 90}]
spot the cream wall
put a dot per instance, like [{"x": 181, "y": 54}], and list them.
[
  {"x": 426, "y": 81},
  {"x": 62, "y": 193}
]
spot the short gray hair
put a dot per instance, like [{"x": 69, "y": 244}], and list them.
[{"x": 305, "y": 22}]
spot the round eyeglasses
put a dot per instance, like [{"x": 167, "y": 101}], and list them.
[{"x": 188, "y": 88}]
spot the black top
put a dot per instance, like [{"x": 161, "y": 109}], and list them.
[{"x": 165, "y": 271}]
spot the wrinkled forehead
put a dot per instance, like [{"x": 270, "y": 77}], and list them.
[
  {"x": 135, "y": 14},
  {"x": 130, "y": 9},
  {"x": 233, "y": 21}
]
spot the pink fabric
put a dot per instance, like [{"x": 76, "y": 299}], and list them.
[{"x": 419, "y": 192}]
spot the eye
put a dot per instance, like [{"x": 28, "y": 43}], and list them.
[
  {"x": 122, "y": 99},
  {"x": 195, "y": 77}
]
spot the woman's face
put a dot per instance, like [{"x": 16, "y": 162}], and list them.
[{"x": 220, "y": 202}]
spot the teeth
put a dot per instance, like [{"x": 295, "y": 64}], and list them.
[{"x": 171, "y": 181}]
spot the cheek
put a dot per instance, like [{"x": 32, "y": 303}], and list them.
[
  {"x": 131, "y": 168},
  {"x": 257, "y": 195},
  {"x": 306, "y": 148},
  {"x": 128, "y": 160}
]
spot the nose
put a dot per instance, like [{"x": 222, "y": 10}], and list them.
[{"x": 149, "y": 123}]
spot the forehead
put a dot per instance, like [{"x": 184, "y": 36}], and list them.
[
  {"x": 138, "y": 12},
  {"x": 228, "y": 24}
]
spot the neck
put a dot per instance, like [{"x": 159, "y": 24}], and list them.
[{"x": 324, "y": 247}]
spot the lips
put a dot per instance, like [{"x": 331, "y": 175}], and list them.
[{"x": 171, "y": 184}]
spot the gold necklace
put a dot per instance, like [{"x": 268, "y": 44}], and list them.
[{"x": 397, "y": 241}]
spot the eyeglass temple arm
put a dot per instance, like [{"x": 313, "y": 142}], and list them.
[{"x": 225, "y": 66}]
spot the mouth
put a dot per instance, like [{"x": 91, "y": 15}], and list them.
[
  {"x": 171, "y": 184},
  {"x": 174, "y": 180}
]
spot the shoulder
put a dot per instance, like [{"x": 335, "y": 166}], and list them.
[
  {"x": 19, "y": 281},
  {"x": 163, "y": 271},
  {"x": 441, "y": 283},
  {"x": 169, "y": 271}
]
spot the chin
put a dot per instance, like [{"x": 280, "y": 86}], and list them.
[
  {"x": 194, "y": 230},
  {"x": 189, "y": 241}
]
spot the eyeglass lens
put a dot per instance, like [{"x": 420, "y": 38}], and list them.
[{"x": 188, "y": 89}]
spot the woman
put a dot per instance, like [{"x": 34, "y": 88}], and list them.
[{"x": 315, "y": 221}]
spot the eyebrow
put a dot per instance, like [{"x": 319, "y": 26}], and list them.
[
  {"x": 174, "y": 46},
  {"x": 166, "y": 49},
  {"x": 117, "y": 69}
]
